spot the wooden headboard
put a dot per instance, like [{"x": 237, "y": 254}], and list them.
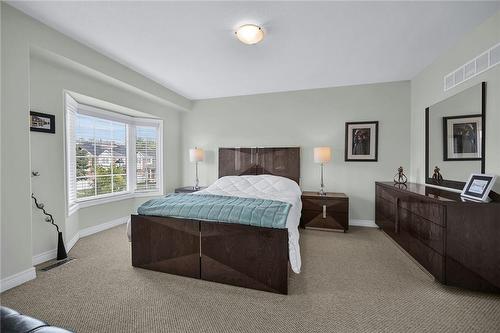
[{"x": 284, "y": 162}]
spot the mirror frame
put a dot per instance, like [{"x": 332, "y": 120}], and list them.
[{"x": 454, "y": 183}]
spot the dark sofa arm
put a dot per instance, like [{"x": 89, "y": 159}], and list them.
[{"x": 12, "y": 321}]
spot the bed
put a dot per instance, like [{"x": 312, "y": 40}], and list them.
[{"x": 251, "y": 256}]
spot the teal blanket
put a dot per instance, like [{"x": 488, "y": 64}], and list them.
[{"x": 249, "y": 211}]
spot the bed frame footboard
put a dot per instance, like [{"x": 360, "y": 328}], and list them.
[{"x": 239, "y": 255}]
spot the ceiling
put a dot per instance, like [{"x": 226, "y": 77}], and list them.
[{"x": 190, "y": 47}]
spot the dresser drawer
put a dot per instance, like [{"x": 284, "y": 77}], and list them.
[
  {"x": 316, "y": 204},
  {"x": 431, "y": 260},
  {"x": 386, "y": 194},
  {"x": 428, "y": 233},
  {"x": 425, "y": 208},
  {"x": 386, "y": 208}
]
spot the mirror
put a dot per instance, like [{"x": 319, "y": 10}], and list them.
[{"x": 454, "y": 138}]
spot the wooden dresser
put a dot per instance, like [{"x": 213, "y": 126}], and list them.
[{"x": 458, "y": 242}]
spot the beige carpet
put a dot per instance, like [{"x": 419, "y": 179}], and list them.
[{"x": 354, "y": 282}]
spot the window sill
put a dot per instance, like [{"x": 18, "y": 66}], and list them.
[
  {"x": 147, "y": 194},
  {"x": 100, "y": 201}
]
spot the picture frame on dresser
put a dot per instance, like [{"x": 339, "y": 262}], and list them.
[{"x": 361, "y": 141}]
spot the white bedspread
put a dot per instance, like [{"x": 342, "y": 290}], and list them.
[{"x": 267, "y": 187}]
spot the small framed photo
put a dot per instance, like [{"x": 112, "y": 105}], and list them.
[
  {"x": 478, "y": 187},
  {"x": 462, "y": 139},
  {"x": 42, "y": 122},
  {"x": 361, "y": 141}
]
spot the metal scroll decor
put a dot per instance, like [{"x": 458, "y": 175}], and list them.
[
  {"x": 61, "y": 250},
  {"x": 400, "y": 177},
  {"x": 437, "y": 177}
]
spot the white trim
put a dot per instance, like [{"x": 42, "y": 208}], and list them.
[
  {"x": 362, "y": 223},
  {"x": 72, "y": 241},
  {"x": 52, "y": 254},
  {"x": 43, "y": 257},
  {"x": 107, "y": 114},
  {"x": 17, "y": 279},
  {"x": 142, "y": 194},
  {"x": 112, "y": 198},
  {"x": 103, "y": 226},
  {"x": 105, "y": 198}
]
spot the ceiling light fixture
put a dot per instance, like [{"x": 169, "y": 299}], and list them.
[{"x": 250, "y": 34}]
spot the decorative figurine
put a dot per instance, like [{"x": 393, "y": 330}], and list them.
[
  {"x": 401, "y": 177},
  {"x": 437, "y": 177}
]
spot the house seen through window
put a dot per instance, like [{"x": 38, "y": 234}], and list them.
[{"x": 101, "y": 156}]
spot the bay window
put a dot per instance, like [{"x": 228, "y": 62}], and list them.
[{"x": 110, "y": 156}]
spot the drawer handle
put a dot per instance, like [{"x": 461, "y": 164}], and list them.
[
  {"x": 324, "y": 211},
  {"x": 396, "y": 222}
]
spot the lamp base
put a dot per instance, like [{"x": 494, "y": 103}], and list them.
[{"x": 322, "y": 192}]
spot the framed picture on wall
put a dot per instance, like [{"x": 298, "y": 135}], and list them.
[
  {"x": 462, "y": 138},
  {"x": 42, "y": 122},
  {"x": 361, "y": 141}
]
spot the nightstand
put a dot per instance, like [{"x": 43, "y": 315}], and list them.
[
  {"x": 188, "y": 189},
  {"x": 328, "y": 212}
]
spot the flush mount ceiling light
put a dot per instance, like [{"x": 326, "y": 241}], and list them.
[{"x": 250, "y": 34}]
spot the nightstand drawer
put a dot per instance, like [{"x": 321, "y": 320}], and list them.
[
  {"x": 315, "y": 219},
  {"x": 317, "y": 204}
]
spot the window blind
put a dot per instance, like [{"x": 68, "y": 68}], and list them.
[
  {"x": 146, "y": 149},
  {"x": 71, "y": 113}
]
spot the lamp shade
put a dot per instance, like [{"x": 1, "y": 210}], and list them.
[
  {"x": 322, "y": 154},
  {"x": 196, "y": 155}
]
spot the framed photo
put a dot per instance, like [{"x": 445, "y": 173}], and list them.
[
  {"x": 478, "y": 187},
  {"x": 462, "y": 139},
  {"x": 361, "y": 141},
  {"x": 42, "y": 122}
]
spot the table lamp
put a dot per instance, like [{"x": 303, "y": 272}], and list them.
[
  {"x": 322, "y": 155},
  {"x": 196, "y": 155}
]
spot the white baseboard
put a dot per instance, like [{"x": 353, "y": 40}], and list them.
[
  {"x": 17, "y": 279},
  {"x": 52, "y": 254},
  {"x": 72, "y": 242},
  {"x": 363, "y": 223},
  {"x": 103, "y": 226},
  {"x": 43, "y": 257}
]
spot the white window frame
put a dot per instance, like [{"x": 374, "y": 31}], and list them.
[{"x": 74, "y": 204}]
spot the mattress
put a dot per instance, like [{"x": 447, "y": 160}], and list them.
[{"x": 267, "y": 187}]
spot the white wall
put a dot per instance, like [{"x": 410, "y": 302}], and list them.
[
  {"x": 104, "y": 78},
  {"x": 427, "y": 89},
  {"x": 307, "y": 119}
]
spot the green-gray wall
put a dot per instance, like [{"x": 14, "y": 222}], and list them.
[
  {"x": 38, "y": 63},
  {"x": 307, "y": 119}
]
